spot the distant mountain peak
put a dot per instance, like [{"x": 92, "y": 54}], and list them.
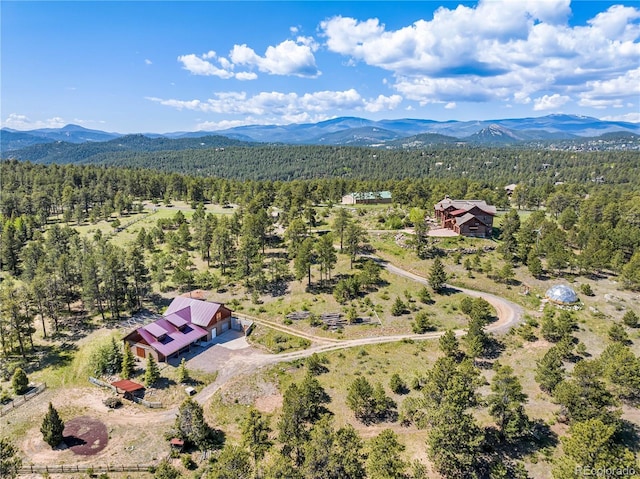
[{"x": 354, "y": 131}]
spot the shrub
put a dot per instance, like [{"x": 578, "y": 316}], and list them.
[
  {"x": 20, "y": 381},
  {"x": 424, "y": 296},
  {"x": 107, "y": 359},
  {"x": 398, "y": 308},
  {"x": 422, "y": 323},
  {"x": 188, "y": 462},
  {"x": 397, "y": 385},
  {"x": 585, "y": 288},
  {"x": 113, "y": 402},
  {"x": 631, "y": 319}
]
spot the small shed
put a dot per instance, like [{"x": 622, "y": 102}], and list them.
[{"x": 127, "y": 388}]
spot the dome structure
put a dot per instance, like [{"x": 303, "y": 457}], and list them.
[{"x": 561, "y": 294}]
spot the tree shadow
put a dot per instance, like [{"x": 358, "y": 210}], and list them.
[
  {"x": 57, "y": 356},
  {"x": 159, "y": 302},
  {"x": 278, "y": 288},
  {"x": 72, "y": 441},
  {"x": 539, "y": 437},
  {"x": 628, "y": 435},
  {"x": 493, "y": 348}
]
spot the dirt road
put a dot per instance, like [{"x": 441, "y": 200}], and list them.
[{"x": 508, "y": 313}]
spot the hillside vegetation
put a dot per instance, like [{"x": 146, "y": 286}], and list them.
[{"x": 83, "y": 246}]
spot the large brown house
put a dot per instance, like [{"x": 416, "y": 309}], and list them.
[
  {"x": 466, "y": 217},
  {"x": 186, "y": 322}
]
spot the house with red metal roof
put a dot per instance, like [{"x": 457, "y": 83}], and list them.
[
  {"x": 186, "y": 322},
  {"x": 466, "y": 217}
]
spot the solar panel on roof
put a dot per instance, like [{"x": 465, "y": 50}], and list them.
[{"x": 155, "y": 329}]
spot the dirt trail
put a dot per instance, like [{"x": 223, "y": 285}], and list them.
[
  {"x": 245, "y": 361},
  {"x": 508, "y": 313}
]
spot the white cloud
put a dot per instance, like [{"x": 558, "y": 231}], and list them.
[
  {"x": 633, "y": 117},
  {"x": 383, "y": 103},
  {"x": 284, "y": 107},
  {"x": 148, "y": 62},
  {"x": 199, "y": 65},
  {"x": 246, "y": 76},
  {"x": 291, "y": 57},
  {"x": 287, "y": 58},
  {"x": 549, "y": 102},
  {"x": 451, "y": 105},
  {"x": 613, "y": 92},
  {"x": 498, "y": 50},
  {"x": 22, "y": 122}
]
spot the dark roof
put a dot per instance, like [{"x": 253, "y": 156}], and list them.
[{"x": 126, "y": 385}]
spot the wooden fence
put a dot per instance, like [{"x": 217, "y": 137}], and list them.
[
  {"x": 22, "y": 399},
  {"x": 149, "y": 404},
  {"x": 69, "y": 469}
]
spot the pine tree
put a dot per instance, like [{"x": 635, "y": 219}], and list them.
[
  {"x": 506, "y": 403},
  {"x": 340, "y": 224},
  {"x": 449, "y": 344},
  {"x": 10, "y": 462},
  {"x": 52, "y": 427},
  {"x": 437, "y": 276},
  {"x": 191, "y": 426},
  {"x": 549, "y": 371},
  {"x": 360, "y": 399},
  {"x": 183, "y": 372},
  {"x": 422, "y": 323},
  {"x": 152, "y": 373},
  {"x": 398, "y": 307},
  {"x": 535, "y": 265},
  {"x": 255, "y": 435},
  {"x": 384, "y": 460},
  {"x": 128, "y": 363}
]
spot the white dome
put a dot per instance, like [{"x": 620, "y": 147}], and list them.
[{"x": 561, "y": 293}]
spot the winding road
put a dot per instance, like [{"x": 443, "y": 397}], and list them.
[{"x": 509, "y": 314}]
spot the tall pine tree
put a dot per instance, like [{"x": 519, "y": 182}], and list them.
[
  {"x": 437, "y": 276},
  {"x": 128, "y": 363},
  {"x": 52, "y": 427},
  {"x": 152, "y": 373}
]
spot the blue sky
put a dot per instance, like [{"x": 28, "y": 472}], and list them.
[{"x": 177, "y": 66}]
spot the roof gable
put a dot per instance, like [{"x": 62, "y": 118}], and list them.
[
  {"x": 201, "y": 313},
  {"x": 465, "y": 205}
]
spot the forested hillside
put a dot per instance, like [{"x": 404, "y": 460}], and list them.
[
  {"x": 222, "y": 157},
  {"x": 84, "y": 246}
]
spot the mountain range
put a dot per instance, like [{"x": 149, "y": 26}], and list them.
[{"x": 346, "y": 131}]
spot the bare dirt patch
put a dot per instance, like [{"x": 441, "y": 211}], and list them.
[
  {"x": 85, "y": 435},
  {"x": 268, "y": 404}
]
